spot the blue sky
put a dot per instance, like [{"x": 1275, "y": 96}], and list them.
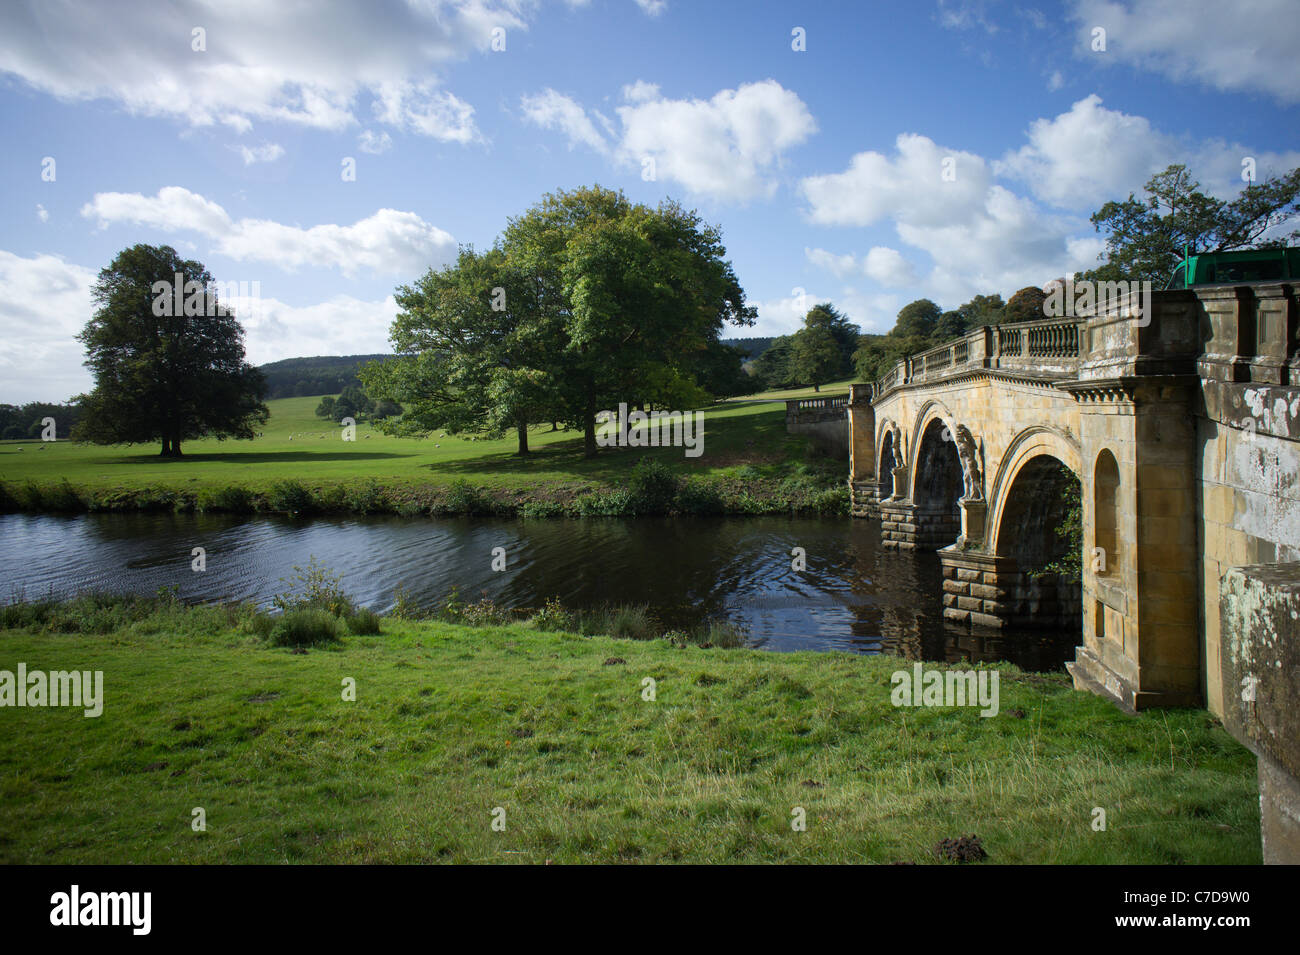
[{"x": 823, "y": 166}]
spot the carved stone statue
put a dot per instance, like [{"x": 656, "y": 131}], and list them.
[{"x": 970, "y": 465}]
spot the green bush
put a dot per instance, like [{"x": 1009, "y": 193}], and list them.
[
  {"x": 832, "y": 501},
  {"x": 331, "y": 499},
  {"x": 699, "y": 496},
  {"x": 304, "y": 628},
  {"x": 552, "y": 616},
  {"x": 290, "y": 497},
  {"x": 61, "y": 497},
  {"x": 363, "y": 621},
  {"x": 653, "y": 487},
  {"x": 7, "y": 500},
  {"x": 614, "y": 503},
  {"x": 463, "y": 498},
  {"x": 484, "y": 613},
  {"x": 367, "y": 498},
  {"x": 541, "y": 509},
  {"x": 320, "y": 590},
  {"x": 230, "y": 500}
]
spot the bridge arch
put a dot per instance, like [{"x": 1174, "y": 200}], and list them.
[
  {"x": 891, "y": 452},
  {"x": 936, "y": 477},
  {"x": 1031, "y": 443},
  {"x": 931, "y": 412}
]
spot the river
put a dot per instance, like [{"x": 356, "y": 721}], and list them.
[{"x": 852, "y": 595}]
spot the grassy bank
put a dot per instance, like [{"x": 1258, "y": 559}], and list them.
[
  {"x": 450, "y": 722},
  {"x": 299, "y": 464}
]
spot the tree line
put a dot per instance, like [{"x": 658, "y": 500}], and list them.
[{"x": 587, "y": 300}]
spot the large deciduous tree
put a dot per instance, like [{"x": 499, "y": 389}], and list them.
[
  {"x": 1146, "y": 238},
  {"x": 628, "y": 298},
  {"x": 167, "y": 357},
  {"x": 470, "y": 351},
  {"x": 823, "y": 349}
]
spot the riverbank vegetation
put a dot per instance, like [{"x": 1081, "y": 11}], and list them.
[
  {"x": 557, "y": 731},
  {"x": 300, "y": 464}
]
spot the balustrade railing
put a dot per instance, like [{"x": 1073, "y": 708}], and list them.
[{"x": 1050, "y": 346}]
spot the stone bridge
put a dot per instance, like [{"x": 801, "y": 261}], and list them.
[{"x": 1177, "y": 431}]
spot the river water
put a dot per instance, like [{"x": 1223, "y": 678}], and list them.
[{"x": 853, "y": 594}]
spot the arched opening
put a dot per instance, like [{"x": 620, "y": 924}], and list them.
[
  {"x": 1104, "y": 556},
  {"x": 937, "y": 487},
  {"x": 887, "y": 464},
  {"x": 1041, "y": 528}
]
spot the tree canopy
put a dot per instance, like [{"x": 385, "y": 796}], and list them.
[
  {"x": 1146, "y": 238},
  {"x": 165, "y": 372},
  {"x": 587, "y": 301}
]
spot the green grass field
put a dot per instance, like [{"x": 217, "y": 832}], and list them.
[
  {"x": 200, "y": 713},
  {"x": 297, "y": 444}
]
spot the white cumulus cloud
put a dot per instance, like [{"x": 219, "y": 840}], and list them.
[
  {"x": 389, "y": 241},
  {"x": 258, "y": 62},
  {"x": 1247, "y": 46},
  {"x": 728, "y": 147}
]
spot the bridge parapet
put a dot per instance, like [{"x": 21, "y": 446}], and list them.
[
  {"x": 824, "y": 417},
  {"x": 820, "y": 408},
  {"x": 1047, "y": 348}
]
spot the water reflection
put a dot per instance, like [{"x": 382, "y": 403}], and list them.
[{"x": 853, "y": 595}]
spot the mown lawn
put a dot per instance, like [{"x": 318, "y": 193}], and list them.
[
  {"x": 451, "y": 722},
  {"x": 296, "y": 444}
]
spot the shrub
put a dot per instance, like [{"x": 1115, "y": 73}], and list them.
[
  {"x": 305, "y": 627},
  {"x": 60, "y": 497},
  {"x": 699, "y": 496},
  {"x": 615, "y": 503},
  {"x": 290, "y": 497},
  {"x": 232, "y": 500},
  {"x": 552, "y": 616},
  {"x": 404, "y": 605},
  {"x": 321, "y": 590},
  {"x": 363, "y": 621},
  {"x": 7, "y": 500},
  {"x": 367, "y": 498},
  {"x": 541, "y": 509},
  {"x": 483, "y": 613},
  {"x": 653, "y": 487},
  {"x": 332, "y": 499},
  {"x": 831, "y": 501},
  {"x": 464, "y": 498}
]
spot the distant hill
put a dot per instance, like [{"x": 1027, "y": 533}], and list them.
[
  {"x": 752, "y": 347},
  {"x": 322, "y": 375}
]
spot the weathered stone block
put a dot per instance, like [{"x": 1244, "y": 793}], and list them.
[{"x": 1259, "y": 620}]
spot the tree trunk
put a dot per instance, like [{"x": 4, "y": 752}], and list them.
[
  {"x": 817, "y": 388},
  {"x": 522, "y": 428},
  {"x": 589, "y": 426},
  {"x": 166, "y": 448}
]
